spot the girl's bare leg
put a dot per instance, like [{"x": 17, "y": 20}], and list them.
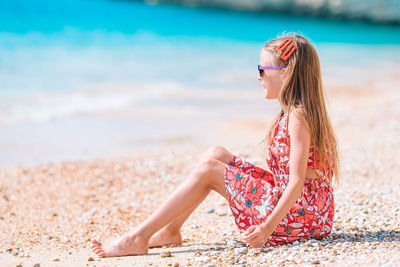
[
  {"x": 170, "y": 234},
  {"x": 208, "y": 175}
]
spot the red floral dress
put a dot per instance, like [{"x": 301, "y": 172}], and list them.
[{"x": 254, "y": 192}]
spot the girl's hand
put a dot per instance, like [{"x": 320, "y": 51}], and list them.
[{"x": 256, "y": 236}]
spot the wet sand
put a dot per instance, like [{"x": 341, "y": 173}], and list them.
[{"x": 49, "y": 212}]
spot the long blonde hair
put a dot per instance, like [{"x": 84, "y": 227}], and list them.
[{"x": 302, "y": 90}]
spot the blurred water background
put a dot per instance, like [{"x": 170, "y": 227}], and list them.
[{"x": 93, "y": 77}]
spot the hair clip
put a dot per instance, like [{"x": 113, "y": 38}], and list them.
[{"x": 291, "y": 47}]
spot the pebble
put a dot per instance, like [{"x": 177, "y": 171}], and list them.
[
  {"x": 195, "y": 226},
  {"x": 222, "y": 213},
  {"x": 202, "y": 259},
  {"x": 266, "y": 249},
  {"x": 198, "y": 253},
  {"x": 36, "y": 265},
  {"x": 56, "y": 259},
  {"x": 165, "y": 254},
  {"x": 242, "y": 261},
  {"x": 90, "y": 259},
  {"x": 315, "y": 262},
  {"x": 210, "y": 210},
  {"x": 242, "y": 250},
  {"x": 210, "y": 265},
  {"x": 231, "y": 244},
  {"x": 64, "y": 239},
  {"x": 175, "y": 264}
]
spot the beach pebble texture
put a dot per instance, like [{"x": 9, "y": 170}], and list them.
[{"x": 50, "y": 212}]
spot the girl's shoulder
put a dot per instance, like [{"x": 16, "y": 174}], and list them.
[
  {"x": 296, "y": 112},
  {"x": 295, "y": 119}
]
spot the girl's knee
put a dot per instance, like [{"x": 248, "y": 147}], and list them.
[
  {"x": 207, "y": 165},
  {"x": 208, "y": 169},
  {"x": 218, "y": 153}
]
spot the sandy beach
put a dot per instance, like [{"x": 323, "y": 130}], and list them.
[{"x": 49, "y": 212}]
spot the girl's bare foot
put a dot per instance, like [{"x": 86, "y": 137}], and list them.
[
  {"x": 165, "y": 237},
  {"x": 128, "y": 244}
]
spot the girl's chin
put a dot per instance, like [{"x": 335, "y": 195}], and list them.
[{"x": 266, "y": 96}]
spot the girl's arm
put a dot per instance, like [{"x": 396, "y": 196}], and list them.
[{"x": 256, "y": 235}]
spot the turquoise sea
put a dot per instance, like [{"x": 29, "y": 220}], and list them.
[{"x": 92, "y": 77}]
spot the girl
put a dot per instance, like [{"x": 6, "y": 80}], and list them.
[{"x": 291, "y": 200}]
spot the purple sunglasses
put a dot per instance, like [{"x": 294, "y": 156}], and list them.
[{"x": 262, "y": 68}]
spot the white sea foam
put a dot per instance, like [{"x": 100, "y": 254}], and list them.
[{"x": 45, "y": 107}]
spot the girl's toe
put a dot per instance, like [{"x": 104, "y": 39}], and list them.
[
  {"x": 96, "y": 247},
  {"x": 94, "y": 241}
]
